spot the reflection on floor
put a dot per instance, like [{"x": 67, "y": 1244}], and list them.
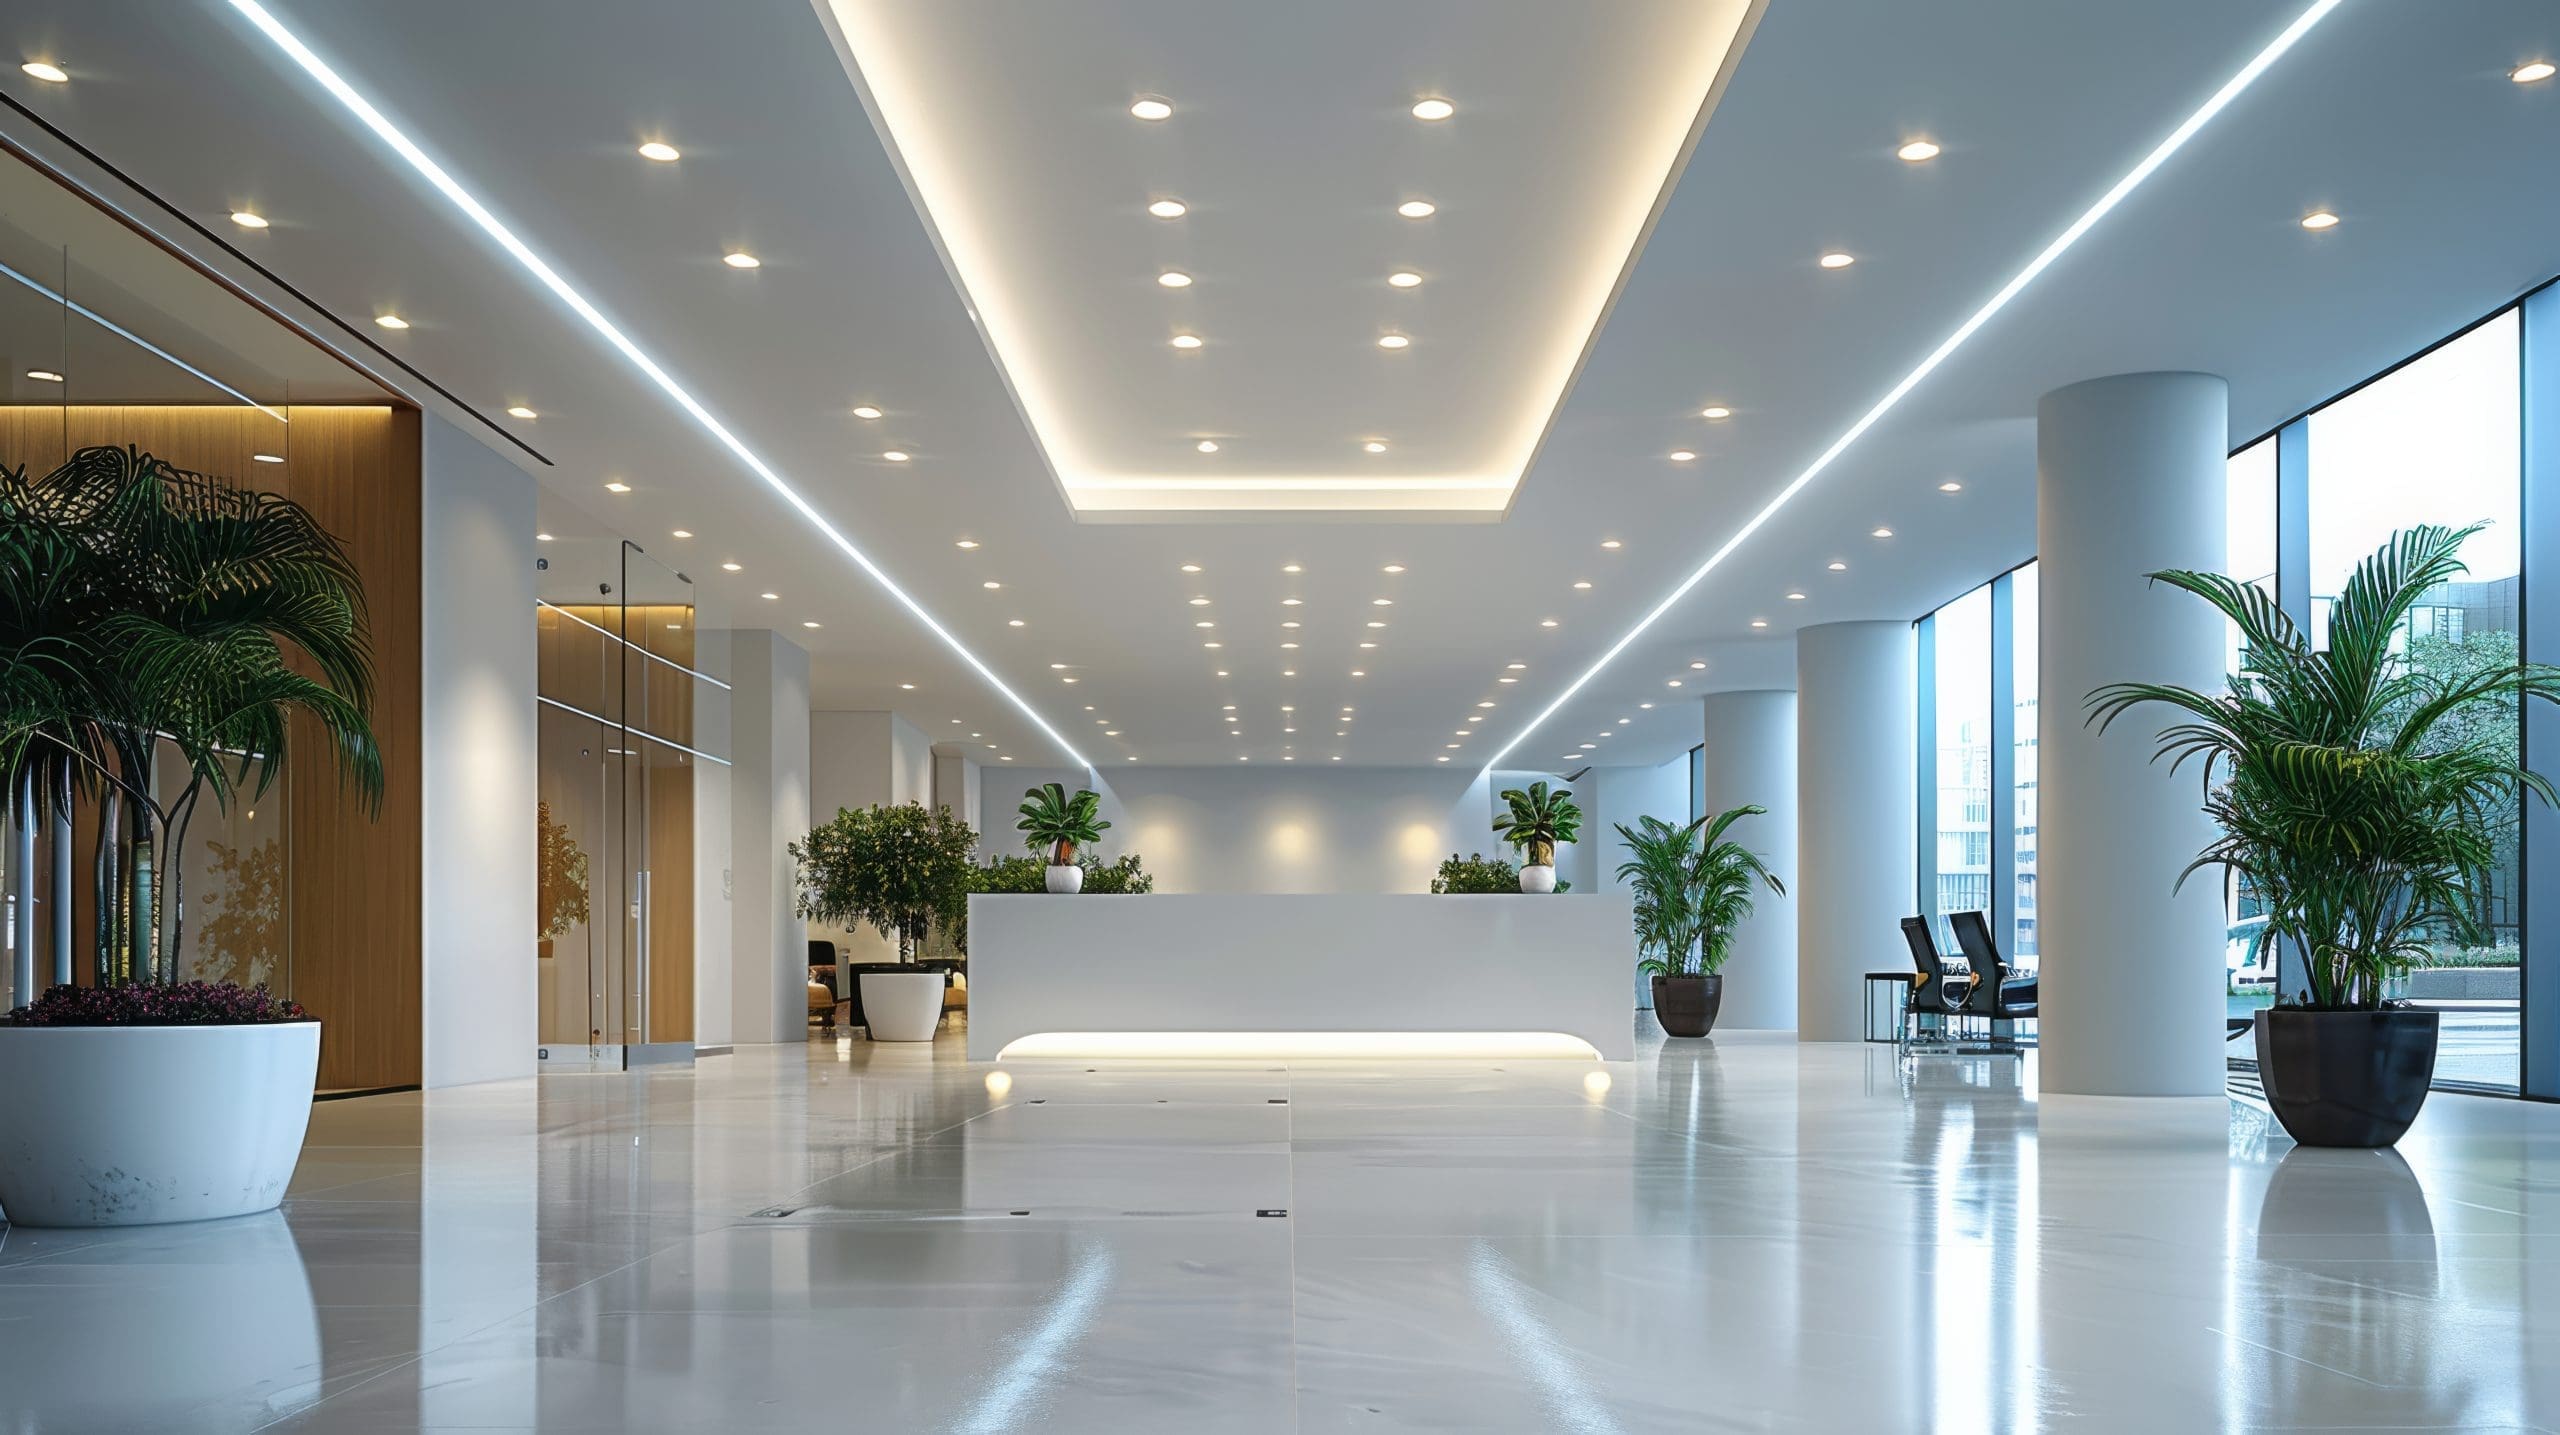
[{"x": 1740, "y": 1234}]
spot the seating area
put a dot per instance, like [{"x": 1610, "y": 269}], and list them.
[{"x": 1973, "y": 1004}]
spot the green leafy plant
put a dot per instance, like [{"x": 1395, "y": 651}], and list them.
[
  {"x": 2355, "y": 802},
  {"x": 901, "y": 870},
  {"x": 1022, "y": 875},
  {"x": 149, "y": 613},
  {"x": 1478, "y": 875},
  {"x": 1056, "y": 823},
  {"x": 1693, "y": 887},
  {"x": 1539, "y": 819},
  {"x": 560, "y": 877}
]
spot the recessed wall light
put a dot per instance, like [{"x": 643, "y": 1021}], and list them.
[
  {"x": 1417, "y": 209},
  {"x": 1186, "y": 341},
  {"x": 1404, "y": 279},
  {"x": 44, "y": 376},
  {"x": 50, "y": 74},
  {"x": 1355, "y": 672},
  {"x": 1151, "y": 108},
  {"x": 966, "y": 543},
  {"x": 741, "y": 259},
  {"x": 1951, "y": 486},
  {"x": 616, "y": 486},
  {"x": 1207, "y": 445},
  {"x": 1506, "y": 680},
  {"x": 248, "y": 219},
  {"x": 866, "y": 411},
  {"x": 1168, "y": 209},
  {"x": 661, "y": 151},
  {"x": 1293, "y": 624},
  {"x": 519, "y": 411},
  {"x": 1393, "y": 341},
  {"x": 391, "y": 321},
  {"x": 1837, "y": 260},
  {"x": 896, "y": 455},
  {"x": 1288, "y": 647},
  {"x": 1715, "y": 411},
  {"x": 1433, "y": 109},
  {"x": 2319, "y": 219},
  {"x": 1174, "y": 279},
  {"x": 1917, "y": 152},
  {"x": 267, "y": 457},
  {"x": 1682, "y": 455},
  {"x": 2524, "y": 74}
]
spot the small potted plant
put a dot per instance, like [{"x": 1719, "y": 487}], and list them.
[
  {"x": 1538, "y": 820},
  {"x": 1693, "y": 888},
  {"x": 1056, "y": 825},
  {"x": 2357, "y": 810}
]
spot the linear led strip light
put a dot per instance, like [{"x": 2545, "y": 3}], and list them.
[
  {"x": 533, "y": 264},
  {"x": 2258, "y": 65}
]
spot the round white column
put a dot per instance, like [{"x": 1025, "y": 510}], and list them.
[
  {"x": 1751, "y": 758},
  {"x": 1858, "y": 817},
  {"x": 2130, "y": 479}
]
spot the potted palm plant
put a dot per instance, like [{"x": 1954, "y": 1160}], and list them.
[
  {"x": 1538, "y": 819},
  {"x": 1055, "y": 824},
  {"x": 162, "y": 635},
  {"x": 1693, "y": 887},
  {"x": 2357, "y": 810}
]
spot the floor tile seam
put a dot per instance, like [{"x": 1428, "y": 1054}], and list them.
[
  {"x": 884, "y": 1154},
  {"x": 2264, "y": 1348},
  {"x": 417, "y": 1357}
]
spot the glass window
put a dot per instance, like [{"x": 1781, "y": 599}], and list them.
[
  {"x": 1961, "y": 806},
  {"x": 2022, "y": 759},
  {"x": 2440, "y": 441}
]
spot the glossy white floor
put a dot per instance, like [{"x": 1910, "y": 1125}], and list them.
[{"x": 1736, "y": 1235}]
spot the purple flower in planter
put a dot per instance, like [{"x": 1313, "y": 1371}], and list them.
[{"x": 185, "y": 1004}]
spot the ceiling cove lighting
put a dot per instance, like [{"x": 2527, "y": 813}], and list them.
[
  {"x": 551, "y": 279},
  {"x": 661, "y": 151},
  {"x": 2061, "y": 244}
]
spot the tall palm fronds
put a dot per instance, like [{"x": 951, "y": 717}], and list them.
[
  {"x": 1693, "y": 887},
  {"x": 2349, "y": 805},
  {"x": 150, "y": 607}
]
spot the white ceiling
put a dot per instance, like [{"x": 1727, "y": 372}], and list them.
[{"x": 2398, "y": 117}]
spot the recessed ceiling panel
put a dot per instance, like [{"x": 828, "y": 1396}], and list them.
[{"x": 1241, "y": 305}]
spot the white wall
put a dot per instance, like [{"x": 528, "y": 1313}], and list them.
[
  {"x": 957, "y": 784},
  {"x": 864, "y": 759},
  {"x": 714, "y": 894},
  {"x": 1271, "y": 829},
  {"x": 477, "y": 748},
  {"x": 768, "y": 809},
  {"x": 1751, "y": 758}
]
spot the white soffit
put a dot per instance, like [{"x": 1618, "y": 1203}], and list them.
[{"x": 1291, "y": 150}]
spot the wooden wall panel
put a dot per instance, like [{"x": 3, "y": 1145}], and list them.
[{"x": 356, "y": 917}]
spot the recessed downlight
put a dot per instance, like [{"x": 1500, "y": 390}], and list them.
[
  {"x": 520, "y": 411},
  {"x": 542, "y": 538},
  {"x": 44, "y": 376},
  {"x": 616, "y": 486},
  {"x": 1404, "y": 279},
  {"x": 741, "y": 259},
  {"x": 808, "y": 622},
  {"x": 1373, "y": 446},
  {"x": 1838, "y": 567},
  {"x": 1881, "y": 533},
  {"x": 661, "y": 151},
  {"x": 248, "y": 219},
  {"x": 49, "y": 73},
  {"x": 682, "y": 533},
  {"x": 1951, "y": 486},
  {"x": 1186, "y": 341},
  {"x": 965, "y": 543},
  {"x": 1293, "y": 568},
  {"x": 391, "y": 321},
  {"x": 1393, "y": 341},
  {"x": 1174, "y": 279},
  {"x": 1150, "y": 108},
  {"x": 866, "y": 411},
  {"x": 895, "y": 455},
  {"x": 267, "y": 457},
  {"x": 1546, "y": 622},
  {"x": 1611, "y": 544},
  {"x": 991, "y": 585},
  {"x": 1917, "y": 152},
  {"x": 1207, "y": 445},
  {"x": 1199, "y": 602},
  {"x": 1715, "y": 411},
  {"x": 1190, "y": 567},
  {"x": 1417, "y": 209},
  {"x": 2320, "y": 219},
  {"x": 1168, "y": 209},
  {"x": 2528, "y": 73},
  {"x": 732, "y": 567},
  {"x": 1795, "y": 597},
  {"x": 1392, "y": 568},
  {"x": 1683, "y": 455},
  {"x": 1581, "y": 585},
  {"x": 1434, "y": 108},
  {"x": 1837, "y": 259}
]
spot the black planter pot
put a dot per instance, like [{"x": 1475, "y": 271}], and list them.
[
  {"x": 1686, "y": 1006},
  {"x": 2346, "y": 1078}
]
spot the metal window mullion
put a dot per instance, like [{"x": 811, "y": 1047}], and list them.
[{"x": 2538, "y": 1035}]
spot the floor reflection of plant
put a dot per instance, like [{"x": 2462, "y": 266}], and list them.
[{"x": 244, "y": 936}]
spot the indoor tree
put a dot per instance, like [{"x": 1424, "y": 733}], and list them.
[
  {"x": 2358, "y": 797},
  {"x": 901, "y": 870},
  {"x": 161, "y": 633}
]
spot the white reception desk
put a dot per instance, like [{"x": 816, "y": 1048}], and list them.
[{"x": 1254, "y": 974}]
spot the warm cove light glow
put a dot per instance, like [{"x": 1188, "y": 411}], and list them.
[
  {"x": 568, "y": 294},
  {"x": 2132, "y": 180},
  {"x": 1055, "y": 279},
  {"x": 1298, "y": 1045}
]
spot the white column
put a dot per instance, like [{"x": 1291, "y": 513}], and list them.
[
  {"x": 1857, "y": 787},
  {"x": 477, "y": 746},
  {"x": 1751, "y": 758},
  {"x": 2130, "y": 479},
  {"x": 768, "y": 808}
]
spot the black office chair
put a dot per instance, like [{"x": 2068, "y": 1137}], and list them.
[
  {"x": 1935, "y": 992},
  {"x": 2003, "y": 999}
]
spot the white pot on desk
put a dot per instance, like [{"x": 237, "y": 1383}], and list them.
[
  {"x": 1065, "y": 877},
  {"x": 902, "y": 1006}
]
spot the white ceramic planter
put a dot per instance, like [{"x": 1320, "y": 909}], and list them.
[
  {"x": 139, "y": 1125},
  {"x": 902, "y": 1006},
  {"x": 1539, "y": 878},
  {"x": 1065, "y": 878}
]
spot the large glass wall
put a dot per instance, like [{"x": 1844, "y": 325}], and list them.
[{"x": 1958, "y": 814}]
